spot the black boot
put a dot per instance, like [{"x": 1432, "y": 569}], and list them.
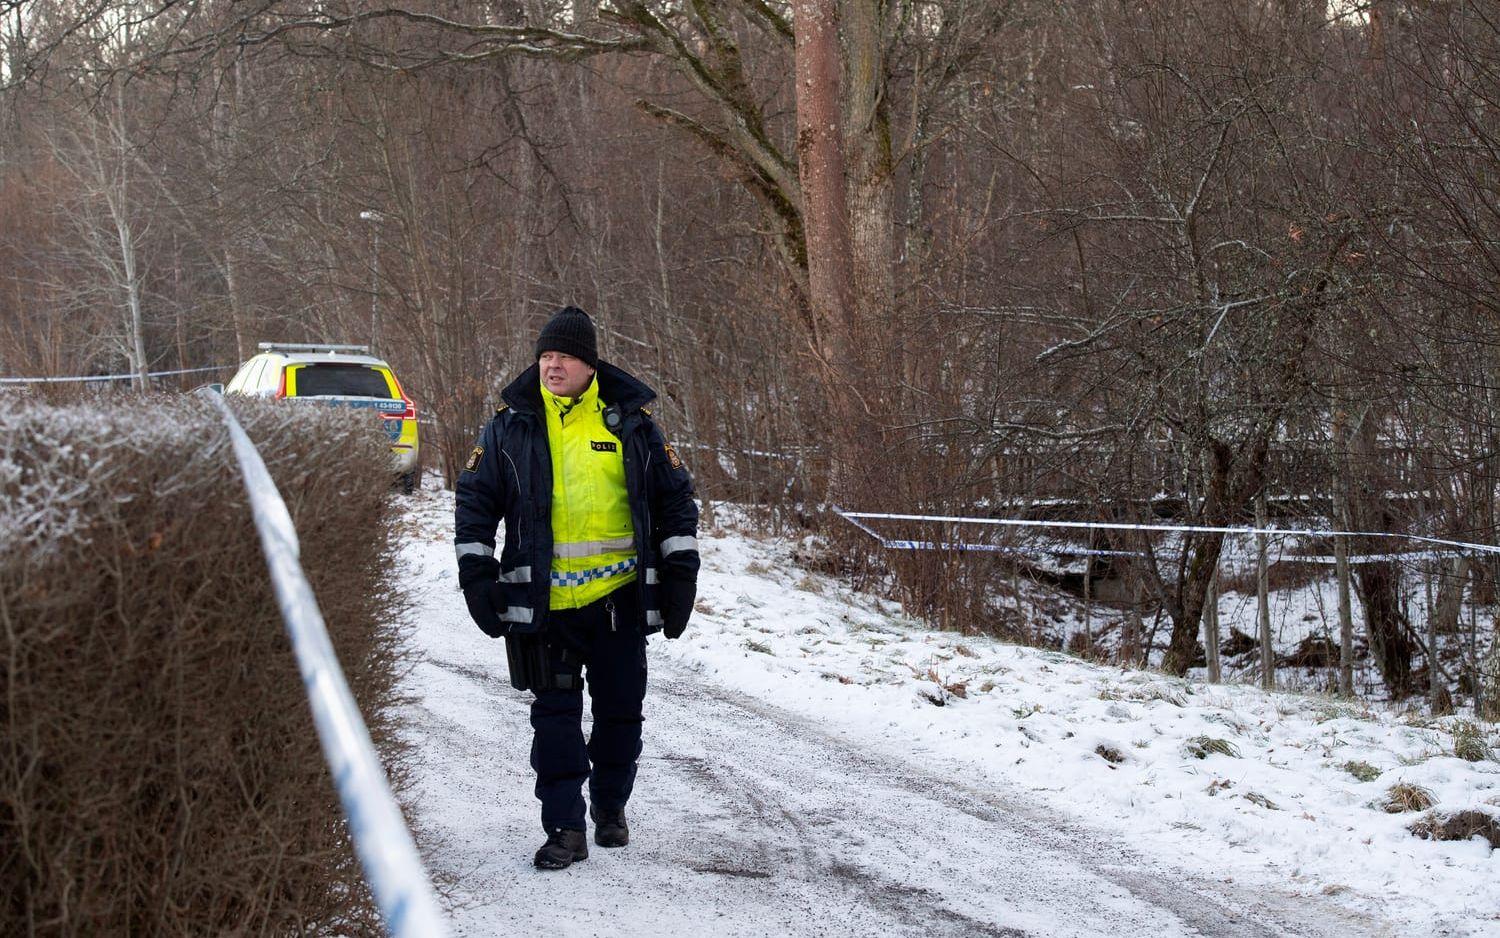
[
  {"x": 563, "y": 847},
  {"x": 610, "y": 829}
]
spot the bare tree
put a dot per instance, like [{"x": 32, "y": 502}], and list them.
[{"x": 106, "y": 220}]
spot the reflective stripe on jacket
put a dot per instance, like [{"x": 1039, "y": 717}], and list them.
[{"x": 509, "y": 478}]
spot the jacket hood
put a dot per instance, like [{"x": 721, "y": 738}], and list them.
[{"x": 616, "y": 386}]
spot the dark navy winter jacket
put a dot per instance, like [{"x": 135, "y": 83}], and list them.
[{"x": 509, "y": 477}]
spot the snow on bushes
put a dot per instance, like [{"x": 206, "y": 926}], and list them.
[{"x": 159, "y": 770}]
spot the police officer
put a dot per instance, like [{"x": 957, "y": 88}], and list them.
[{"x": 600, "y": 551}]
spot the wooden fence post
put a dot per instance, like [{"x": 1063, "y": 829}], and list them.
[
  {"x": 1346, "y": 617},
  {"x": 1211, "y": 626},
  {"x": 1088, "y": 599},
  {"x": 1262, "y": 598}
]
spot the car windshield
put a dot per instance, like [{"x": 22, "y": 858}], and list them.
[{"x": 324, "y": 380}]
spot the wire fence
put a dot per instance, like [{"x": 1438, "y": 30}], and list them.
[{"x": 1431, "y": 581}]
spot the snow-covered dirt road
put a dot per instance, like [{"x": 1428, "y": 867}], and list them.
[{"x": 749, "y": 819}]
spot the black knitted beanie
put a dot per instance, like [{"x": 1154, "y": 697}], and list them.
[{"x": 570, "y": 330}]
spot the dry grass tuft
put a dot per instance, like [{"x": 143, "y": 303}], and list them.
[
  {"x": 1201, "y": 747},
  {"x": 1362, "y": 771},
  {"x": 1469, "y": 741},
  {"x": 1405, "y": 797},
  {"x": 1458, "y": 825}
]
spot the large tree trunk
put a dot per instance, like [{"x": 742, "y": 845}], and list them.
[
  {"x": 870, "y": 171},
  {"x": 1233, "y": 479},
  {"x": 1182, "y": 651},
  {"x": 1378, "y": 583},
  {"x": 830, "y": 268}
]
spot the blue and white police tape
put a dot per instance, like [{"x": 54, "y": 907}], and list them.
[
  {"x": 385, "y": 847},
  {"x": 857, "y": 518},
  {"x": 119, "y": 377}
]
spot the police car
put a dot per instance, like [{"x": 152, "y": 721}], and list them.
[{"x": 337, "y": 375}]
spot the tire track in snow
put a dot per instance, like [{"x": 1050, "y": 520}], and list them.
[
  {"x": 1200, "y": 906},
  {"x": 751, "y": 820}
]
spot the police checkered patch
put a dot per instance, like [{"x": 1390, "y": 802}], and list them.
[
  {"x": 580, "y": 577},
  {"x": 474, "y": 458}
]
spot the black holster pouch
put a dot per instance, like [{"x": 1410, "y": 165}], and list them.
[
  {"x": 527, "y": 657},
  {"x": 532, "y": 664}
]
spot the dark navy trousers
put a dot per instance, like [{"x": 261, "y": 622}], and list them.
[{"x": 610, "y": 650}]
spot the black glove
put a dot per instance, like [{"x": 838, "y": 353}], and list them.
[
  {"x": 483, "y": 597},
  {"x": 677, "y": 597}
]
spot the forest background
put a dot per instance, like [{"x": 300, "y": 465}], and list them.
[{"x": 1196, "y": 261}]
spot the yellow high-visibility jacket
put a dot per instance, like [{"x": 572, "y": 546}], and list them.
[
  {"x": 509, "y": 478},
  {"x": 593, "y": 540}
]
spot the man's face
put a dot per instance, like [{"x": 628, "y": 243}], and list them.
[{"x": 565, "y": 375}]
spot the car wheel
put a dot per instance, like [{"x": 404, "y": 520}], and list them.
[{"x": 409, "y": 482}]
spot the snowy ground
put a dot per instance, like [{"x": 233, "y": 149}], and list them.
[{"x": 816, "y": 763}]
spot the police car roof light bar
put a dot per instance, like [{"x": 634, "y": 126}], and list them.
[{"x": 312, "y": 347}]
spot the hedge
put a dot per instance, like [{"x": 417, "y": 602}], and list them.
[{"x": 159, "y": 770}]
